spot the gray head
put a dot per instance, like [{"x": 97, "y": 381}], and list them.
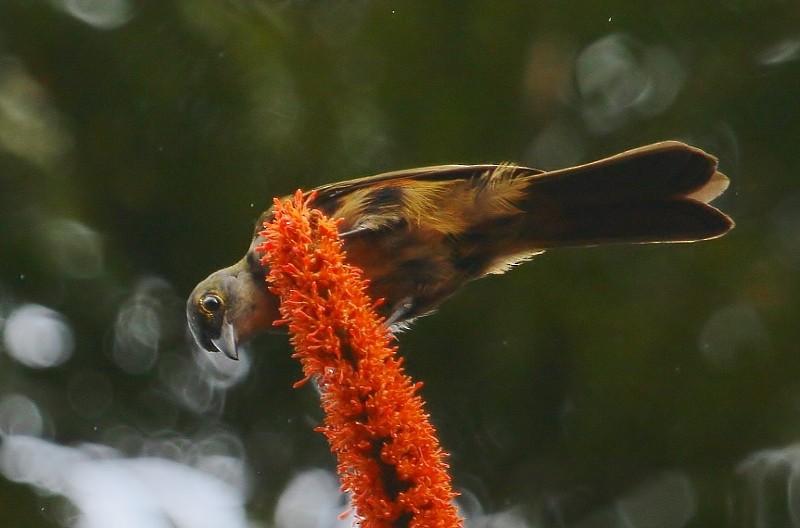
[{"x": 229, "y": 307}]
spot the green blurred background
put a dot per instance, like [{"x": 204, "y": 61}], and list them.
[{"x": 652, "y": 386}]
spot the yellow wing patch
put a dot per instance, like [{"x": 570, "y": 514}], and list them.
[{"x": 447, "y": 206}]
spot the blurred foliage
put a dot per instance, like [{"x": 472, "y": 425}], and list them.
[{"x": 139, "y": 140}]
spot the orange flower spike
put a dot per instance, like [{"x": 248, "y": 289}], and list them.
[{"x": 388, "y": 455}]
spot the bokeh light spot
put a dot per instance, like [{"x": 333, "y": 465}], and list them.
[
  {"x": 107, "y": 490},
  {"x": 557, "y": 145},
  {"x": 219, "y": 371},
  {"x": 667, "y": 500},
  {"x": 101, "y": 14},
  {"x": 30, "y": 126},
  {"x": 311, "y": 500},
  {"x": 74, "y": 248},
  {"x": 188, "y": 385},
  {"x": 20, "y": 416},
  {"x": 781, "y": 52},
  {"x": 729, "y": 332},
  {"x": 143, "y": 322},
  {"x": 38, "y": 337},
  {"x": 619, "y": 79},
  {"x": 766, "y": 489}
]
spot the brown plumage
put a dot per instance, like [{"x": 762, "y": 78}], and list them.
[{"x": 421, "y": 234}]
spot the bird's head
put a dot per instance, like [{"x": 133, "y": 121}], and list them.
[{"x": 231, "y": 306}]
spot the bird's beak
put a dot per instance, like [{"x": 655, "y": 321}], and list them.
[{"x": 226, "y": 342}]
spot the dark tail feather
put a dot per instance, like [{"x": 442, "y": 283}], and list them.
[{"x": 656, "y": 193}]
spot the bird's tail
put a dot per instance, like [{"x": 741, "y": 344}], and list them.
[{"x": 656, "y": 193}]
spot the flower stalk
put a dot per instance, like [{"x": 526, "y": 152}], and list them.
[{"x": 389, "y": 458}]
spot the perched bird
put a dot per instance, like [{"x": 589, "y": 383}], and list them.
[{"x": 419, "y": 235}]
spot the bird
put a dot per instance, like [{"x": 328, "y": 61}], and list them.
[{"x": 421, "y": 234}]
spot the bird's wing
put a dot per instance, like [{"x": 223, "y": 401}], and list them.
[
  {"x": 393, "y": 198},
  {"x": 436, "y": 173}
]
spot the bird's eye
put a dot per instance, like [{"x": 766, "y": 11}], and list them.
[{"x": 211, "y": 303}]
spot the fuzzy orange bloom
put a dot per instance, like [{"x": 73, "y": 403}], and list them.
[{"x": 389, "y": 457}]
